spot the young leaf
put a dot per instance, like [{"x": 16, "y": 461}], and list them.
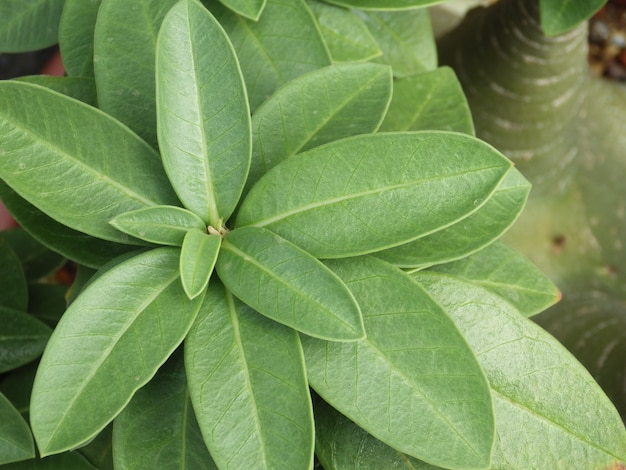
[
  {"x": 251, "y": 9},
  {"x": 559, "y": 16},
  {"x": 413, "y": 383},
  {"x": 125, "y": 75},
  {"x": 371, "y": 192},
  {"x": 544, "y": 391},
  {"x": 16, "y": 441},
  {"x": 267, "y": 59},
  {"x": 79, "y": 178},
  {"x": 76, "y": 34},
  {"x": 29, "y": 25},
  {"x": 14, "y": 293},
  {"x": 384, "y": 4},
  {"x": 22, "y": 340},
  {"x": 203, "y": 117},
  {"x": 109, "y": 343},
  {"x": 428, "y": 101},
  {"x": 406, "y": 39},
  {"x": 161, "y": 414},
  {"x": 248, "y": 386},
  {"x": 165, "y": 225},
  {"x": 288, "y": 285},
  {"x": 468, "y": 235},
  {"x": 508, "y": 274},
  {"x": 316, "y": 108},
  {"x": 346, "y": 36},
  {"x": 197, "y": 259}
]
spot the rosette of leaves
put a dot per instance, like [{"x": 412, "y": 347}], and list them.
[
  {"x": 296, "y": 210},
  {"x": 534, "y": 97}
]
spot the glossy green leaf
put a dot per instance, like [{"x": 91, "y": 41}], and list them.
[
  {"x": 346, "y": 36},
  {"x": 428, "y": 101},
  {"x": 413, "y": 383},
  {"x": 371, "y": 192},
  {"x": 16, "y": 441},
  {"x": 251, "y": 9},
  {"x": 547, "y": 406},
  {"x": 288, "y": 285},
  {"x": 29, "y": 25},
  {"x": 508, "y": 274},
  {"x": 79, "y": 88},
  {"x": 202, "y": 112},
  {"x": 36, "y": 260},
  {"x": 406, "y": 39},
  {"x": 158, "y": 428},
  {"x": 76, "y": 34},
  {"x": 384, "y": 4},
  {"x": 124, "y": 61},
  {"x": 197, "y": 259},
  {"x": 22, "y": 338},
  {"x": 284, "y": 44},
  {"x": 316, "y": 108},
  {"x": 14, "y": 293},
  {"x": 60, "y": 172},
  {"x": 165, "y": 225},
  {"x": 51, "y": 235},
  {"x": 559, "y": 16},
  {"x": 470, "y": 234},
  {"x": 109, "y": 343},
  {"x": 248, "y": 386}
]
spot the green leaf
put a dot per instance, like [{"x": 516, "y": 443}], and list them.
[
  {"x": 99, "y": 451},
  {"x": 109, "y": 343},
  {"x": 406, "y": 39},
  {"x": 346, "y": 36},
  {"x": 36, "y": 260},
  {"x": 22, "y": 338},
  {"x": 470, "y": 234},
  {"x": 165, "y": 225},
  {"x": 51, "y": 235},
  {"x": 384, "y": 4},
  {"x": 316, "y": 108},
  {"x": 428, "y": 101},
  {"x": 284, "y": 44},
  {"x": 158, "y": 428},
  {"x": 16, "y": 441},
  {"x": 202, "y": 112},
  {"x": 47, "y": 302},
  {"x": 14, "y": 293},
  {"x": 372, "y": 192},
  {"x": 413, "y": 383},
  {"x": 124, "y": 61},
  {"x": 508, "y": 274},
  {"x": 248, "y": 386},
  {"x": 197, "y": 259},
  {"x": 288, "y": 285},
  {"x": 78, "y": 178},
  {"x": 79, "y": 88},
  {"x": 251, "y": 9},
  {"x": 537, "y": 386},
  {"x": 29, "y": 25},
  {"x": 66, "y": 461},
  {"x": 559, "y": 16},
  {"x": 17, "y": 386},
  {"x": 76, "y": 35}
]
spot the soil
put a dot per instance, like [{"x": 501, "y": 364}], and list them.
[{"x": 607, "y": 41}]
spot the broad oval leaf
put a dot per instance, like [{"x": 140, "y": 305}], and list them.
[
  {"x": 346, "y": 36},
  {"x": 158, "y": 429},
  {"x": 165, "y": 225},
  {"x": 544, "y": 391},
  {"x": 203, "y": 117},
  {"x": 22, "y": 338},
  {"x": 109, "y": 343},
  {"x": 284, "y": 44},
  {"x": 288, "y": 285},
  {"x": 77, "y": 178},
  {"x": 414, "y": 383},
  {"x": 319, "y": 107},
  {"x": 29, "y": 25},
  {"x": 470, "y": 234},
  {"x": 384, "y": 4},
  {"x": 16, "y": 441},
  {"x": 559, "y": 16},
  {"x": 76, "y": 34},
  {"x": 14, "y": 293},
  {"x": 371, "y": 192},
  {"x": 251, "y": 9},
  {"x": 197, "y": 259},
  {"x": 429, "y": 101},
  {"x": 248, "y": 386},
  {"x": 508, "y": 274},
  {"x": 124, "y": 61}
]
